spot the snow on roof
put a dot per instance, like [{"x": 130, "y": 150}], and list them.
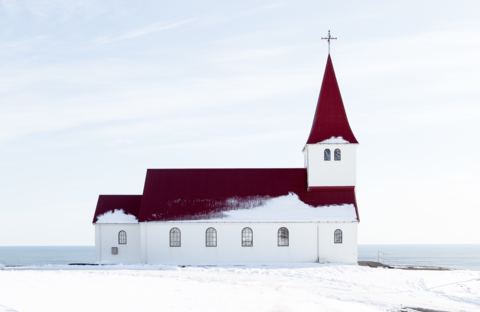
[
  {"x": 116, "y": 216},
  {"x": 192, "y": 194},
  {"x": 335, "y": 140},
  {"x": 130, "y": 204},
  {"x": 285, "y": 208}
]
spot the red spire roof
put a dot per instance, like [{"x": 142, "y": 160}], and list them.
[{"x": 330, "y": 118}]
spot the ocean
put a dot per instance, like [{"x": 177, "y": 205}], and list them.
[{"x": 449, "y": 256}]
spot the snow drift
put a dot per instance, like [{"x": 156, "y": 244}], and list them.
[
  {"x": 335, "y": 140},
  {"x": 284, "y": 208},
  {"x": 117, "y": 216}
]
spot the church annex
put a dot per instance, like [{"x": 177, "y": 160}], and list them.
[{"x": 242, "y": 216}]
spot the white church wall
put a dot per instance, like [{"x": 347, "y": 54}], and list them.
[
  {"x": 106, "y": 237},
  {"x": 308, "y": 242},
  {"x": 346, "y": 252},
  {"x": 302, "y": 245},
  {"x": 330, "y": 173}
]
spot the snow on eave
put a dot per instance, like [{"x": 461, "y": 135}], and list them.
[
  {"x": 335, "y": 140},
  {"x": 116, "y": 216}
]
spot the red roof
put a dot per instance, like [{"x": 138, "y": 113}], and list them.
[
  {"x": 129, "y": 203},
  {"x": 330, "y": 118},
  {"x": 185, "y": 194}
]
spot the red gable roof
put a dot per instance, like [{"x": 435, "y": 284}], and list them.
[
  {"x": 330, "y": 118},
  {"x": 185, "y": 194},
  {"x": 129, "y": 203}
]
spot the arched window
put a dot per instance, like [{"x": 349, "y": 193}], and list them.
[
  {"x": 327, "y": 155},
  {"x": 247, "y": 237},
  {"x": 338, "y": 236},
  {"x": 337, "y": 154},
  {"x": 282, "y": 236},
  {"x": 122, "y": 237},
  {"x": 211, "y": 237},
  {"x": 175, "y": 237}
]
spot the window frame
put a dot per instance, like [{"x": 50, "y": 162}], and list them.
[
  {"x": 283, "y": 241},
  {"x": 173, "y": 240},
  {"x": 338, "y": 236},
  {"x": 327, "y": 154},
  {"x": 247, "y": 237},
  {"x": 211, "y": 241},
  {"x": 122, "y": 237},
  {"x": 337, "y": 154}
]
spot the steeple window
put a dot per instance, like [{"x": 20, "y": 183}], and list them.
[
  {"x": 327, "y": 154},
  {"x": 337, "y": 154}
]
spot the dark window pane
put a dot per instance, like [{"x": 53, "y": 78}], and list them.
[
  {"x": 247, "y": 237},
  {"x": 337, "y": 154},
  {"x": 283, "y": 236},
  {"x": 338, "y": 236},
  {"x": 175, "y": 237},
  {"x": 122, "y": 238},
  {"x": 211, "y": 237},
  {"x": 327, "y": 154}
]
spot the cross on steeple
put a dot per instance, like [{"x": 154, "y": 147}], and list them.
[{"x": 328, "y": 40}]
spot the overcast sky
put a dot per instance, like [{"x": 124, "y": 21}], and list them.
[{"x": 92, "y": 93}]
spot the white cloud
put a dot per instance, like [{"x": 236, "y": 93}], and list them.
[{"x": 143, "y": 31}]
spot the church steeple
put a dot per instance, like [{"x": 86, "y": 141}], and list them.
[
  {"x": 330, "y": 118},
  {"x": 330, "y": 151}
]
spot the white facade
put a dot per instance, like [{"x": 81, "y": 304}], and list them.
[
  {"x": 321, "y": 172},
  {"x": 311, "y": 230},
  {"x": 149, "y": 243},
  {"x": 106, "y": 237}
]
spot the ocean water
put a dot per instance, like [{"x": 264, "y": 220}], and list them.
[{"x": 449, "y": 256}]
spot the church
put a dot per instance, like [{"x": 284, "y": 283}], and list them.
[{"x": 244, "y": 216}]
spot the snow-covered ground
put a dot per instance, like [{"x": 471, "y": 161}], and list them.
[{"x": 300, "y": 288}]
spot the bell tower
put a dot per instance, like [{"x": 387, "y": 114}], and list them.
[{"x": 330, "y": 151}]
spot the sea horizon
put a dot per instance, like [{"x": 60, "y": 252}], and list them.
[{"x": 452, "y": 256}]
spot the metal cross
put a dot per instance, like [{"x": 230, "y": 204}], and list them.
[{"x": 328, "y": 40}]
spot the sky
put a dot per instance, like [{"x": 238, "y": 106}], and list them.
[{"x": 92, "y": 93}]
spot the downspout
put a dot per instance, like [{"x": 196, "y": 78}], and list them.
[
  {"x": 99, "y": 249},
  {"x": 144, "y": 243},
  {"x": 318, "y": 241}
]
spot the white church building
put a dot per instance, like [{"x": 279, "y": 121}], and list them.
[{"x": 244, "y": 216}]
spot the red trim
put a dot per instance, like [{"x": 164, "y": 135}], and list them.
[{"x": 317, "y": 188}]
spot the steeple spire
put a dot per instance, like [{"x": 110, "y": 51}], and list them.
[{"x": 330, "y": 118}]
